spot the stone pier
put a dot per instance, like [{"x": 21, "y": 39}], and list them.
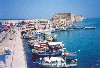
[{"x": 17, "y": 59}]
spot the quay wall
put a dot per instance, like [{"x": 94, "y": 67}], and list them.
[{"x": 17, "y": 58}]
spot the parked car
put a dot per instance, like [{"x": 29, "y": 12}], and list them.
[
  {"x": 1, "y": 29},
  {"x": 20, "y": 24},
  {"x": 0, "y": 23},
  {"x": 5, "y": 27}
]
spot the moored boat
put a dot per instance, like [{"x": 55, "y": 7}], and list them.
[
  {"x": 31, "y": 43},
  {"x": 48, "y": 49},
  {"x": 54, "y": 38},
  {"x": 62, "y": 29},
  {"x": 58, "y": 62},
  {"x": 89, "y": 28},
  {"x": 27, "y": 36},
  {"x": 53, "y": 30}
]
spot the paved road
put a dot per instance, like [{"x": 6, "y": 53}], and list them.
[
  {"x": 17, "y": 58},
  {"x": 3, "y": 35}
]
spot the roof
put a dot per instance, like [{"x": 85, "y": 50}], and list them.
[
  {"x": 55, "y": 43},
  {"x": 54, "y": 59}
]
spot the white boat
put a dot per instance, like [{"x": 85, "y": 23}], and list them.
[
  {"x": 52, "y": 30},
  {"x": 62, "y": 28},
  {"x": 56, "y": 43},
  {"x": 89, "y": 27},
  {"x": 56, "y": 62},
  {"x": 27, "y": 36}
]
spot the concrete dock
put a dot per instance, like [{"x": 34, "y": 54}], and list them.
[{"x": 17, "y": 58}]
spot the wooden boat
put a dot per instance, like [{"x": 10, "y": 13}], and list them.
[
  {"x": 54, "y": 38},
  {"x": 49, "y": 38},
  {"x": 31, "y": 43},
  {"x": 53, "y": 62},
  {"x": 57, "y": 29},
  {"x": 57, "y": 62},
  {"x": 27, "y": 36},
  {"x": 48, "y": 49},
  {"x": 62, "y": 29},
  {"x": 53, "y": 30},
  {"x": 54, "y": 58}
]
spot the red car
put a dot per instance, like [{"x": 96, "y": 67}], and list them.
[{"x": 5, "y": 28}]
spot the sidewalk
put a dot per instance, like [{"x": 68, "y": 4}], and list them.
[{"x": 17, "y": 58}]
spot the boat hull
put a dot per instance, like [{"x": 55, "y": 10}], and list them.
[
  {"x": 48, "y": 54},
  {"x": 58, "y": 66}
]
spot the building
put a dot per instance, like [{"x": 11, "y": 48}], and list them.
[
  {"x": 65, "y": 19},
  {"x": 62, "y": 19},
  {"x": 67, "y": 16}
]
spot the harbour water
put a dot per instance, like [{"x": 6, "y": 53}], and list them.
[{"x": 87, "y": 41}]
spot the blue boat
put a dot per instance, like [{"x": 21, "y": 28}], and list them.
[{"x": 48, "y": 49}]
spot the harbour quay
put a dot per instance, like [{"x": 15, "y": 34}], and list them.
[{"x": 11, "y": 50}]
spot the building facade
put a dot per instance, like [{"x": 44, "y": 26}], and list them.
[
  {"x": 65, "y": 19},
  {"x": 67, "y": 16}
]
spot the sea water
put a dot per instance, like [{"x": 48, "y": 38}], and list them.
[{"x": 86, "y": 43}]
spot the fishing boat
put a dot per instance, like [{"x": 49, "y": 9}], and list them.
[
  {"x": 49, "y": 38},
  {"x": 52, "y": 30},
  {"x": 70, "y": 28},
  {"x": 27, "y": 36},
  {"x": 31, "y": 43},
  {"x": 55, "y": 62},
  {"x": 69, "y": 59},
  {"x": 58, "y": 44},
  {"x": 89, "y": 28},
  {"x": 52, "y": 38},
  {"x": 48, "y": 49},
  {"x": 62, "y": 29},
  {"x": 34, "y": 42},
  {"x": 56, "y": 29}
]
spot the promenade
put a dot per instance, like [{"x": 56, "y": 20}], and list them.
[{"x": 17, "y": 58}]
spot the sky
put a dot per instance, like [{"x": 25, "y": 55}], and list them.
[{"x": 33, "y": 9}]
